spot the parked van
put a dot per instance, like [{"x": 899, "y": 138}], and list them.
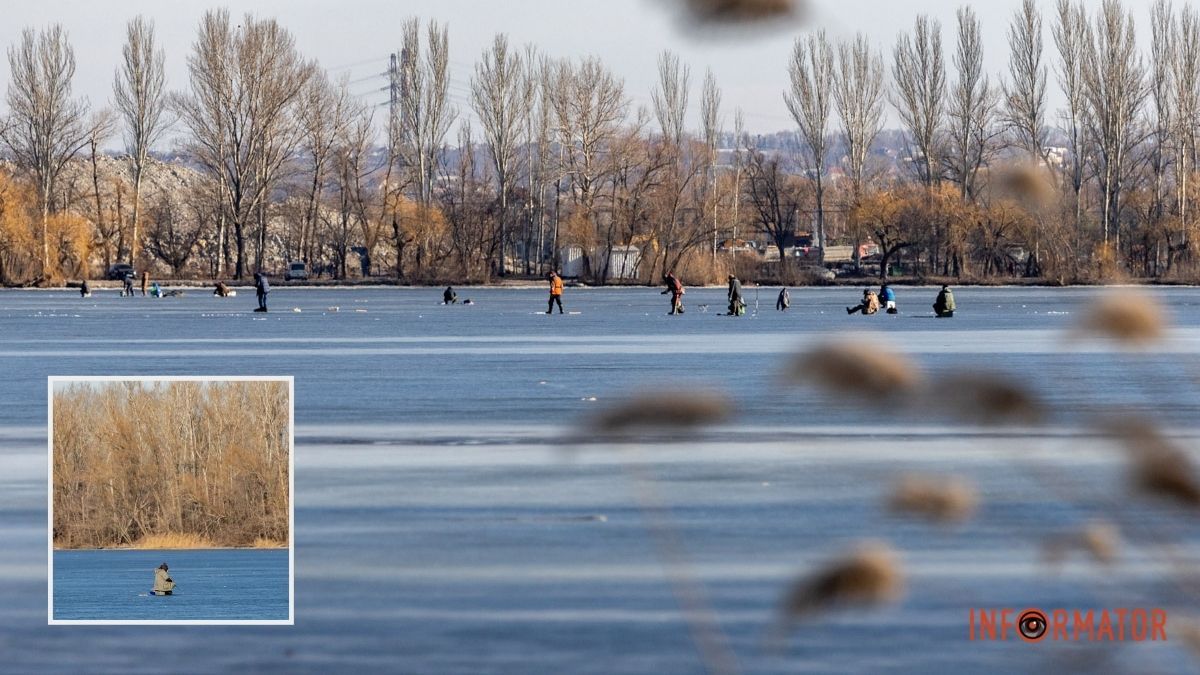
[{"x": 296, "y": 271}]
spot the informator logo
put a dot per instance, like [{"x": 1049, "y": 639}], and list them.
[{"x": 1136, "y": 624}]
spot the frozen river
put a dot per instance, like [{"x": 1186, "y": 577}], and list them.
[{"x": 442, "y": 527}]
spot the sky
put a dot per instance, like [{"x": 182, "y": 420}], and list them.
[{"x": 355, "y": 37}]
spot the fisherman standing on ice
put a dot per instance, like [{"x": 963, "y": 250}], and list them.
[
  {"x": 556, "y": 289},
  {"x": 261, "y": 288},
  {"x": 736, "y": 306},
  {"x": 84, "y": 290},
  {"x": 163, "y": 584},
  {"x": 127, "y": 290}
]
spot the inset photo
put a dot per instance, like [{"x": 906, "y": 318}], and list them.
[{"x": 171, "y": 500}]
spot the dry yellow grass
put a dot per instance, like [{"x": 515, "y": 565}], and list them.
[
  {"x": 264, "y": 542},
  {"x": 151, "y": 541}
]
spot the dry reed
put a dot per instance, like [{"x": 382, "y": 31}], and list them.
[
  {"x": 947, "y": 499},
  {"x": 869, "y": 575},
  {"x": 1130, "y": 317},
  {"x": 856, "y": 370}
]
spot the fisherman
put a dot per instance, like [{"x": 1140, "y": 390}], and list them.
[
  {"x": 449, "y": 297},
  {"x": 784, "y": 300},
  {"x": 163, "y": 583},
  {"x": 556, "y": 289},
  {"x": 84, "y": 290},
  {"x": 887, "y": 298},
  {"x": 869, "y": 304},
  {"x": 675, "y": 288},
  {"x": 261, "y": 288},
  {"x": 145, "y": 281},
  {"x": 154, "y": 290},
  {"x": 944, "y": 305},
  {"x": 127, "y": 289},
  {"x": 221, "y": 290},
  {"x": 736, "y": 306}
]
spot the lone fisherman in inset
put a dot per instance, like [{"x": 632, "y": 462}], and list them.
[{"x": 163, "y": 584}]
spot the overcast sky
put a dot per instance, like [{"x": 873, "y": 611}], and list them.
[{"x": 356, "y": 36}]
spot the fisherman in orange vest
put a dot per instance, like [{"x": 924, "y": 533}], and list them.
[{"x": 556, "y": 288}]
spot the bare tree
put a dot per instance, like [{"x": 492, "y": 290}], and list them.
[
  {"x": 774, "y": 197},
  {"x": 1025, "y": 96},
  {"x": 858, "y": 93},
  {"x": 323, "y": 111},
  {"x": 710, "y": 129},
  {"x": 810, "y": 100},
  {"x": 140, "y": 97},
  {"x": 589, "y": 105},
  {"x": 671, "y": 97},
  {"x": 100, "y": 128},
  {"x": 972, "y": 107},
  {"x": 47, "y": 125},
  {"x": 1070, "y": 36},
  {"x": 244, "y": 83},
  {"x": 425, "y": 111},
  {"x": 859, "y": 97},
  {"x": 1161, "y": 82},
  {"x": 1186, "y": 69},
  {"x": 1113, "y": 85},
  {"x": 496, "y": 93},
  {"x": 919, "y": 95}
]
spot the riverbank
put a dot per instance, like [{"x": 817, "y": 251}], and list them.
[
  {"x": 512, "y": 283},
  {"x": 176, "y": 542}
]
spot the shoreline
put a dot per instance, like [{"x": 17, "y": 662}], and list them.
[
  {"x": 376, "y": 284},
  {"x": 187, "y": 548}
]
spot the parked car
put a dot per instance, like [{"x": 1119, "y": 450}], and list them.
[
  {"x": 816, "y": 273},
  {"x": 119, "y": 271},
  {"x": 296, "y": 271}
]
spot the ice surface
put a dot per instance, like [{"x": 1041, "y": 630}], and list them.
[{"x": 443, "y": 527}]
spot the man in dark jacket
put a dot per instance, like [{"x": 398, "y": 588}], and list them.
[
  {"x": 449, "y": 297},
  {"x": 84, "y": 290},
  {"x": 736, "y": 306},
  {"x": 261, "y": 288},
  {"x": 128, "y": 288},
  {"x": 675, "y": 288},
  {"x": 944, "y": 305}
]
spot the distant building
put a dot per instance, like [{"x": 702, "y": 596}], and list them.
[
  {"x": 571, "y": 261},
  {"x": 623, "y": 262}
]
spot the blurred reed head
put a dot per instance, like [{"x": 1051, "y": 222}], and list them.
[
  {"x": 1028, "y": 183},
  {"x": 738, "y": 19},
  {"x": 869, "y": 575},
  {"x": 1130, "y": 317},
  {"x": 669, "y": 411},
  {"x": 1159, "y": 468},
  {"x": 743, "y": 11},
  {"x": 1100, "y": 540},
  {"x": 988, "y": 398},
  {"x": 942, "y": 499},
  {"x": 855, "y": 370}
]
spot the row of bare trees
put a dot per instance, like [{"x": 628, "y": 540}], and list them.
[
  {"x": 134, "y": 460},
  {"x": 554, "y": 158}
]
